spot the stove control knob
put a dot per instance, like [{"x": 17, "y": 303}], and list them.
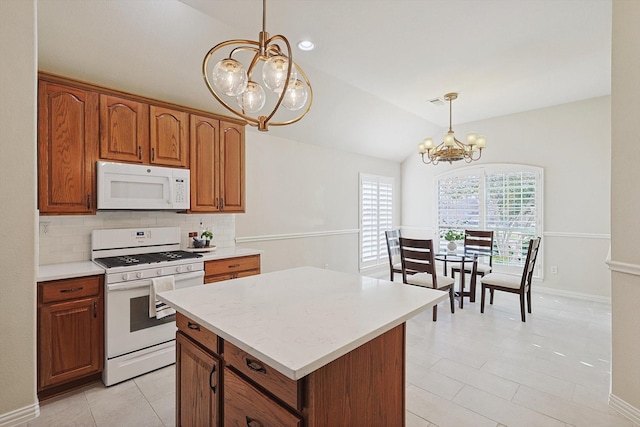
[
  {"x": 179, "y": 269},
  {"x": 139, "y": 274},
  {"x": 189, "y": 267},
  {"x": 159, "y": 272},
  {"x": 125, "y": 276}
]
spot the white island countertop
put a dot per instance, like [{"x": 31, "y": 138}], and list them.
[{"x": 301, "y": 319}]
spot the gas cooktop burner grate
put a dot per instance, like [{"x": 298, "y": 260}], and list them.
[{"x": 141, "y": 259}]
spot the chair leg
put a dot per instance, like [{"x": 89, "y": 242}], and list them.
[
  {"x": 529, "y": 300},
  {"x": 473, "y": 288},
  {"x": 482, "y": 289},
  {"x": 522, "y": 306},
  {"x": 491, "y": 299},
  {"x": 435, "y": 312},
  {"x": 452, "y": 300}
]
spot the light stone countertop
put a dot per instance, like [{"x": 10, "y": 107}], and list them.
[
  {"x": 301, "y": 319},
  {"x": 68, "y": 270}
]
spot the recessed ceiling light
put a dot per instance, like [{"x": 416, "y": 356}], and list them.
[{"x": 306, "y": 45}]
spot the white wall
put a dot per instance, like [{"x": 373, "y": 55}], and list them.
[
  {"x": 625, "y": 205},
  {"x": 18, "y": 252},
  {"x": 571, "y": 143},
  {"x": 302, "y": 202}
]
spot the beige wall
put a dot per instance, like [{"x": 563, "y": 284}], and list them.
[
  {"x": 571, "y": 142},
  {"x": 625, "y": 206},
  {"x": 18, "y": 252},
  {"x": 302, "y": 202}
]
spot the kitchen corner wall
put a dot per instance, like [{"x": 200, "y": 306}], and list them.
[{"x": 68, "y": 238}]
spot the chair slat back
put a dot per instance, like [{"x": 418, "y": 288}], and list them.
[
  {"x": 479, "y": 243},
  {"x": 417, "y": 256},
  {"x": 532, "y": 255}
]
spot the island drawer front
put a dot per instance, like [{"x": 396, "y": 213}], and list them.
[
  {"x": 69, "y": 289},
  {"x": 231, "y": 265},
  {"x": 197, "y": 332},
  {"x": 246, "y": 405},
  {"x": 284, "y": 388}
]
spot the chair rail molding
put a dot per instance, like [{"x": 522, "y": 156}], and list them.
[
  {"x": 576, "y": 235},
  {"x": 288, "y": 236},
  {"x": 623, "y": 267}
]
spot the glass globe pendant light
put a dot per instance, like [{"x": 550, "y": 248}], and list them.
[{"x": 246, "y": 92}]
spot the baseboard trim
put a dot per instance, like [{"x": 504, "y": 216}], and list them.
[
  {"x": 572, "y": 294},
  {"x": 20, "y": 416},
  {"x": 266, "y": 238},
  {"x": 624, "y": 408}
]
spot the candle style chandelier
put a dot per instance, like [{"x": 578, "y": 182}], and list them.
[
  {"x": 451, "y": 150},
  {"x": 245, "y": 90}
]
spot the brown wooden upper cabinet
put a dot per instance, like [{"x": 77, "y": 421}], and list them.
[
  {"x": 136, "y": 132},
  {"x": 217, "y": 165},
  {"x": 67, "y": 149},
  {"x": 124, "y": 130},
  {"x": 169, "y": 137}
]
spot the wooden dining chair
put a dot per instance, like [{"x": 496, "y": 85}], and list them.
[
  {"x": 513, "y": 284},
  {"x": 477, "y": 243},
  {"x": 393, "y": 248},
  {"x": 419, "y": 269}
]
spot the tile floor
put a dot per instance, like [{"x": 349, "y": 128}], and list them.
[{"x": 466, "y": 369}]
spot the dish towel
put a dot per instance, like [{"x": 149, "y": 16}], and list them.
[{"x": 158, "y": 309}]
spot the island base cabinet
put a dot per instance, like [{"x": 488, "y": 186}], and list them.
[
  {"x": 244, "y": 405},
  {"x": 197, "y": 382}
]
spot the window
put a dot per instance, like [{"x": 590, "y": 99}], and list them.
[
  {"x": 376, "y": 217},
  {"x": 504, "y": 198}
]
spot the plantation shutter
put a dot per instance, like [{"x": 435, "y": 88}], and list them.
[
  {"x": 512, "y": 213},
  {"x": 376, "y": 217}
]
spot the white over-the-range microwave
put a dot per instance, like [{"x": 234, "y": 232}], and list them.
[{"x": 142, "y": 187}]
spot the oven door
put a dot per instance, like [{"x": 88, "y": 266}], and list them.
[{"x": 128, "y": 325}]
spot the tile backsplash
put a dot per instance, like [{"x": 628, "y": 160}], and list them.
[{"x": 68, "y": 238}]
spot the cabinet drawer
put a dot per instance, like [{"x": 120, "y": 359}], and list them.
[
  {"x": 197, "y": 332},
  {"x": 246, "y": 405},
  {"x": 283, "y": 387},
  {"x": 229, "y": 276},
  {"x": 69, "y": 289},
  {"x": 231, "y": 265}
]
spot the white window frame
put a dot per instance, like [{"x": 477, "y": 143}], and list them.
[
  {"x": 370, "y": 256},
  {"x": 482, "y": 171}
]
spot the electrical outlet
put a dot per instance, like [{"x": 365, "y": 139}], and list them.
[
  {"x": 44, "y": 227},
  {"x": 554, "y": 269},
  {"x": 326, "y": 266}
]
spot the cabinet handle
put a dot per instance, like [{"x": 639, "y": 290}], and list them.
[
  {"x": 95, "y": 309},
  {"x": 217, "y": 203},
  {"x": 66, "y": 291},
  {"x": 252, "y": 422},
  {"x": 88, "y": 201},
  {"x": 153, "y": 154},
  {"x": 193, "y": 326},
  {"x": 255, "y": 366},
  {"x": 140, "y": 152},
  {"x": 221, "y": 203},
  {"x": 213, "y": 370},
  {"x": 234, "y": 265}
]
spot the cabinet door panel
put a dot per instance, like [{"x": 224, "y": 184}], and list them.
[
  {"x": 67, "y": 147},
  {"x": 205, "y": 163},
  {"x": 124, "y": 129},
  {"x": 70, "y": 341},
  {"x": 198, "y": 385},
  {"x": 232, "y": 167},
  {"x": 169, "y": 142}
]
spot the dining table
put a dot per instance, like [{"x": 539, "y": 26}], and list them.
[{"x": 461, "y": 258}]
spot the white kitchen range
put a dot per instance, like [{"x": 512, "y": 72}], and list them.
[{"x": 136, "y": 260}]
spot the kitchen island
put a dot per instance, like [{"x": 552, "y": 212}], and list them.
[{"x": 305, "y": 346}]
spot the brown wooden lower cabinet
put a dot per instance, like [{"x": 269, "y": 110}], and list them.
[
  {"x": 231, "y": 268},
  {"x": 365, "y": 387},
  {"x": 70, "y": 333}
]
